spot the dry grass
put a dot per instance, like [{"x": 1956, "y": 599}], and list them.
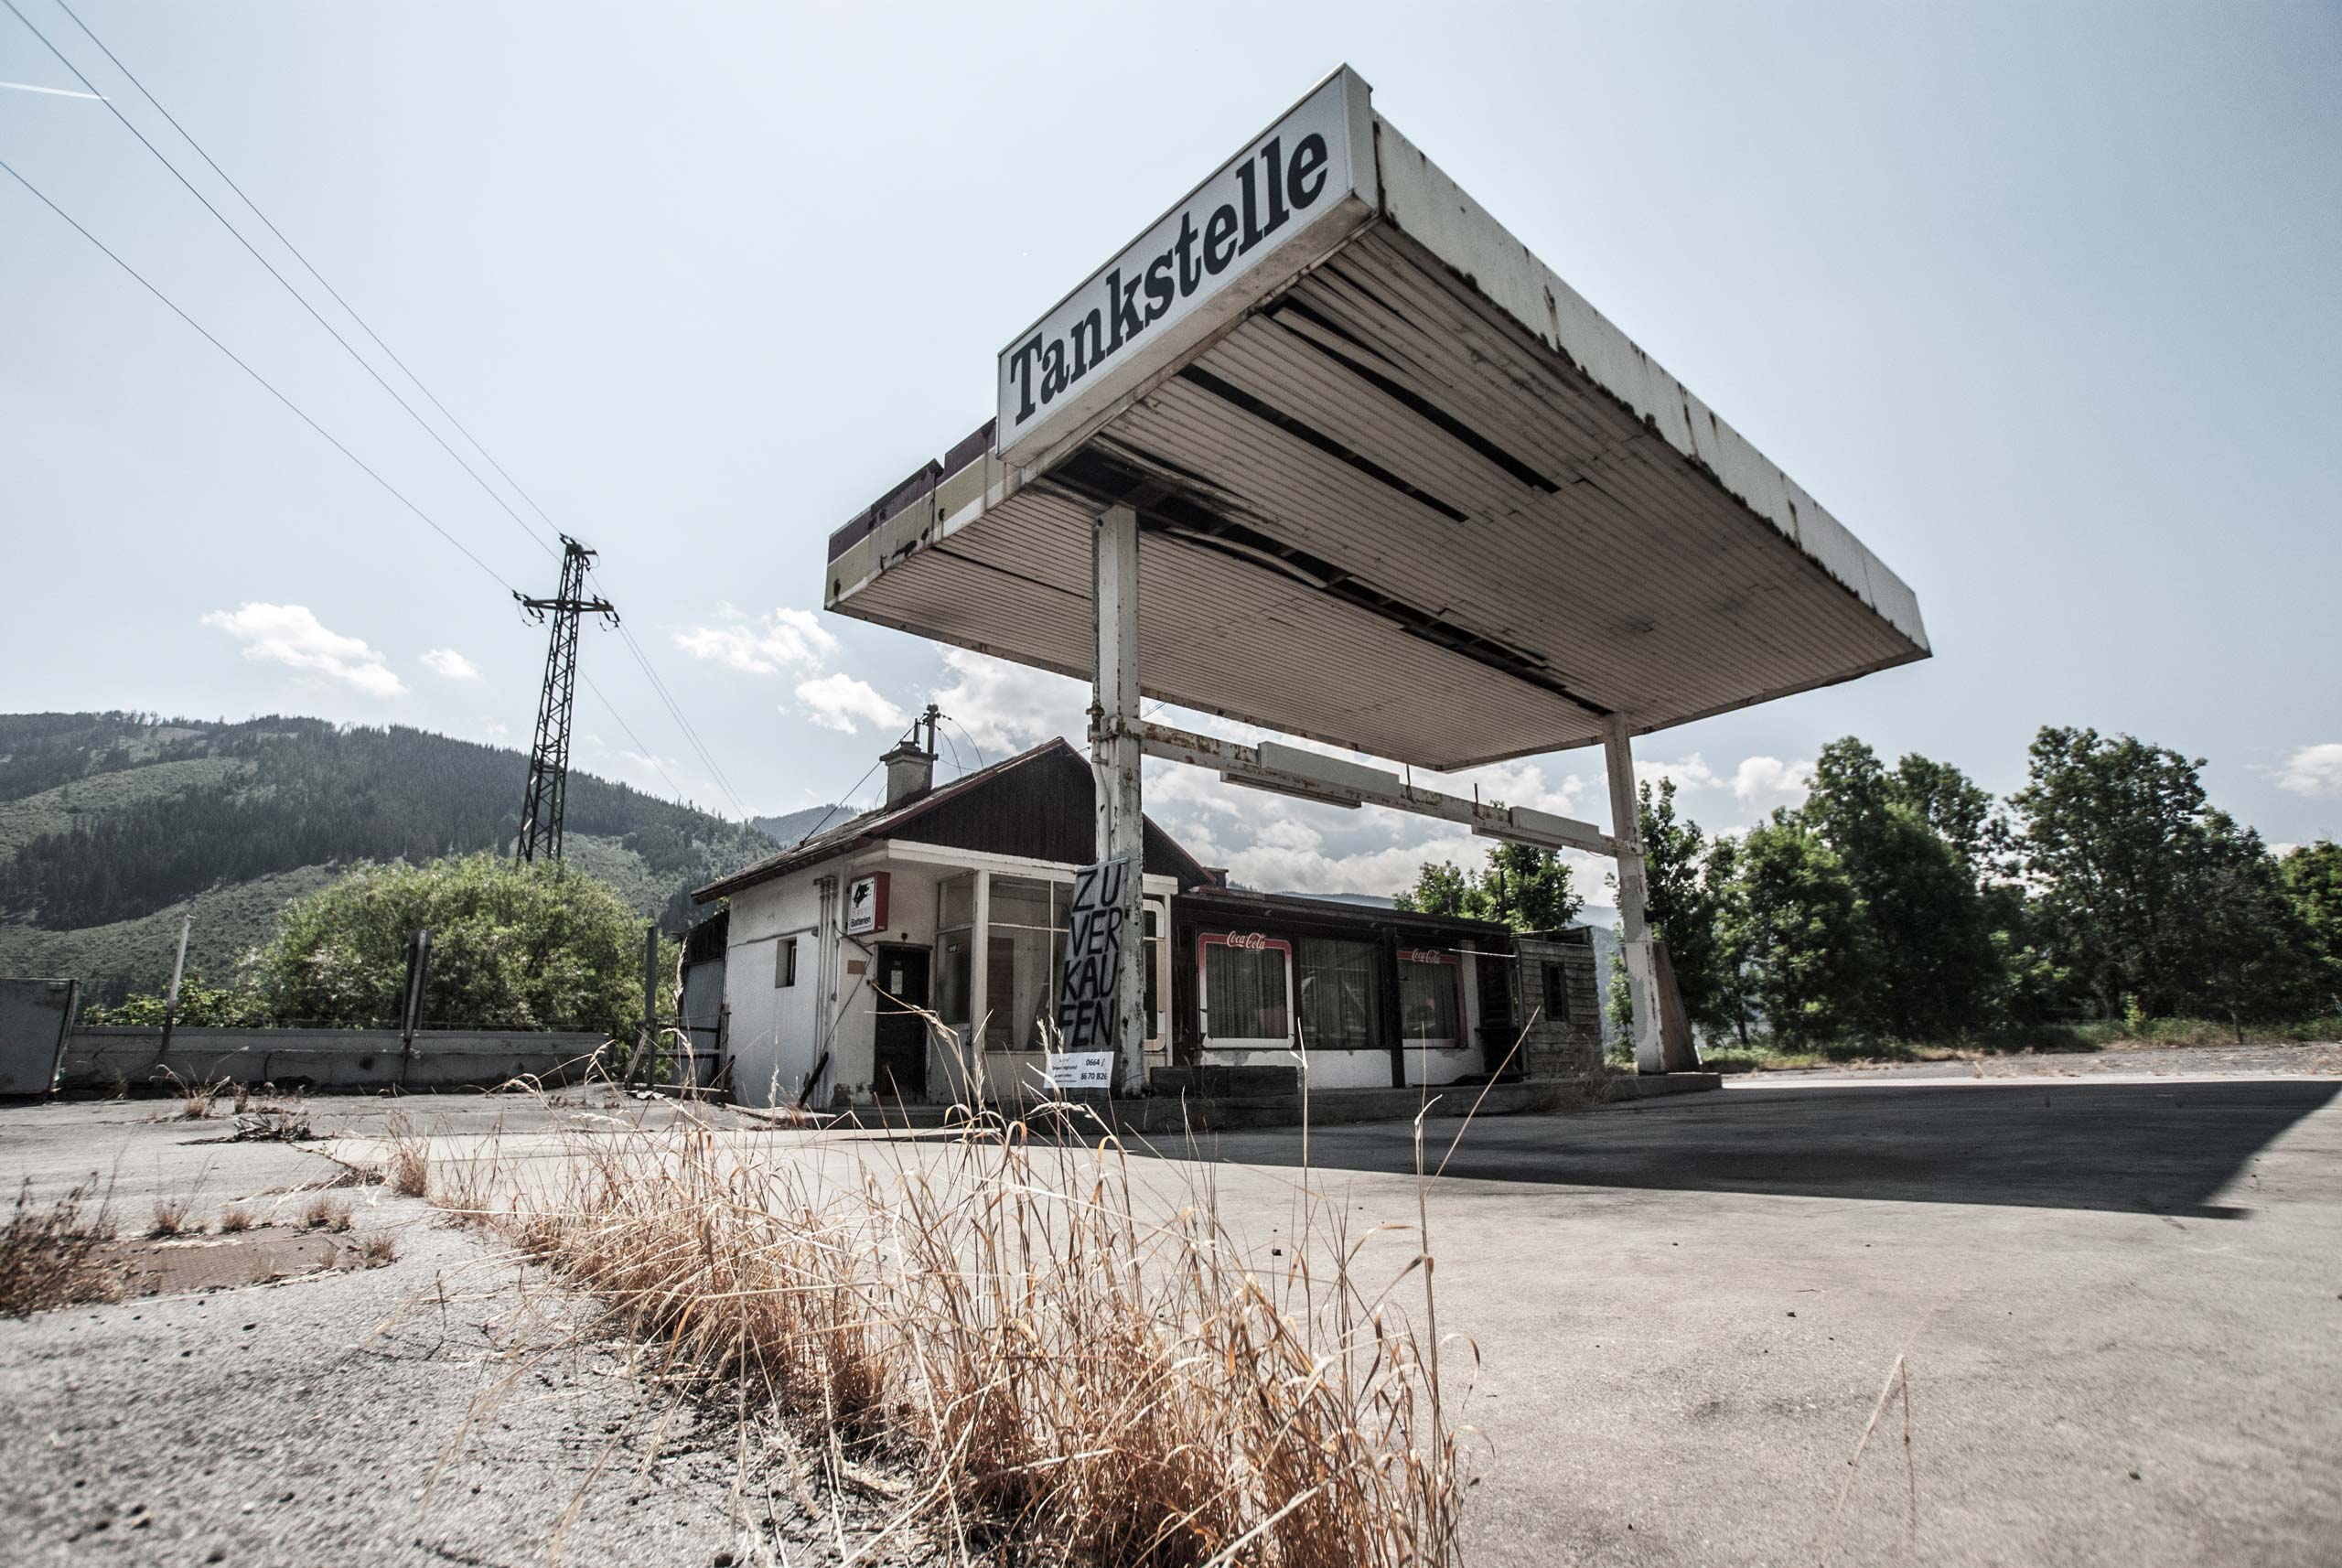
[
  {"x": 1071, "y": 1368},
  {"x": 172, "y": 1216},
  {"x": 373, "y": 1251},
  {"x": 408, "y": 1171},
  {"x": 272, "y": 1124},
  {"x": 234, "y": 1218},
  {"x": 323, "y": 1213},
  {"x": 56, "y": 1256},
  {"x": 200, "y": 1100}
]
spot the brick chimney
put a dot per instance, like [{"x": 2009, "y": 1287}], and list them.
[{"x": 910, "y": 767}]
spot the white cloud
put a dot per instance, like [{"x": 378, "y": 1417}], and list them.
[
  {"x": 1513, "y": 784},
  {"x": 447, "y": 663},
  {"x": 290, "y": 635},
  {"x": 1766, "y": 781},
  {"x": 784, "y": 640},
  {"x": 1006, "y": 707},
  {"x": 837, "y": 701},
  {"x": 2313, "y": 770},
  {"x": 1692, "y": 773}
]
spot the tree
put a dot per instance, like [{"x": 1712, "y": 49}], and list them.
[
  {"x": 1788, "y": 928},
  {"x": 1529, "y": 889},
  {"x": 1955, "y": 806},
  {"x": 1721, "y": 874},
  {"x": 2313, "y": 874},
  {"x": 2258, "y": 957},
  {"x": 1680, "y": 902},
  {"x": 528, "y": 947},
  {"x": 1442, "y": 888},
  {"x": 1522, "y": 886},
  {"x": 2113, "y": 839},
  {"x": 1928, "y": 965},
  {"x": 2159, "y": 902}
]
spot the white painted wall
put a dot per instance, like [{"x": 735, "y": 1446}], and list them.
[{"x": 775, "y": 1029}]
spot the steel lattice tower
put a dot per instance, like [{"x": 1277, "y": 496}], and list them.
[{"x": 548, "y": 792}]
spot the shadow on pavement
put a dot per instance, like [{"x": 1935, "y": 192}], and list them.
[{"x": 2162, "y": 1148}]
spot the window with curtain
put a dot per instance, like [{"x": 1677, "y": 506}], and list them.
[
  {"x": 1427, "y": 1000},
  {"x": 1244, "y": 992},
  {"x": 1341, "y": 1005}
]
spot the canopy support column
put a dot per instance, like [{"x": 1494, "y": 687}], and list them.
[
  {"x": 1626, "y": 828},
  {"x": 1114, "y": 763}
]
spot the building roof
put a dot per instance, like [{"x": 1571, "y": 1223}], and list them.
[{"x": 942, "y": 815}]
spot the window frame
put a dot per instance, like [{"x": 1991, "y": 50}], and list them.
[
  {"x": 1555, "y": 974},
  {"x": 1374, "y": 1003},
  {"x": 1455, "y": 966},
  {"x": 784, "y": 963},
  {"x": 1203, "y": 991}
]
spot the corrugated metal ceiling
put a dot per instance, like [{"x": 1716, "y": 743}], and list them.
[{"x": 1385, "y": 517}]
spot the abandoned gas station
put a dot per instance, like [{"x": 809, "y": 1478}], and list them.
[{"x": 1327, "y": 451}]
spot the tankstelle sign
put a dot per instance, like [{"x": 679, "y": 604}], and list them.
[{"x": 1289, "y": 187}]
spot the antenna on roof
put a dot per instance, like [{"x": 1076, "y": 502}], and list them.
[{"x": 925, "y": 720}]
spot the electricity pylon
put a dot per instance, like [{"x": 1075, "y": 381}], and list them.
[{"x": 548, "y": 793}]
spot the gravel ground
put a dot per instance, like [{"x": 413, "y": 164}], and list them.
[{"x": 372, "y": 1417}]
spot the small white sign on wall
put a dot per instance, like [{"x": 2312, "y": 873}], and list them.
[
  {"x": 1079, "y": 1072},
  {"x": 866, "y": 904}
]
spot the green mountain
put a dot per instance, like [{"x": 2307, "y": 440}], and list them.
[
  {"x": 112, "y": 825},
  {"x": 788, "y": 829}
]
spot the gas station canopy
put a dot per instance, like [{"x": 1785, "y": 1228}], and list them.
[{"x": 1399, "y": 487}]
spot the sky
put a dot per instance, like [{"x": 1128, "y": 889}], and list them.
[{"x": 2042, "y": 300}]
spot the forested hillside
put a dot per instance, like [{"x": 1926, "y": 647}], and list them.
[{"x": 111, "y": 823}]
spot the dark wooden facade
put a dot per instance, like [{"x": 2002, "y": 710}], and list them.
[
  {"x": 1290, "y": 917},
  {"x": 1038, "y": 805},
  {"x": 1045, "y": 807}
]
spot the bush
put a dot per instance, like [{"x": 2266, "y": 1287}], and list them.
[
  {"x": 512, "y": 947},
  {"x": 200, "y": 1007}
]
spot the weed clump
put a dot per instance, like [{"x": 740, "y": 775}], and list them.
[
  {"x": 54, "y": 1256},
  {"x": 408, "y": 1172},
  {"x": 323, "y": 1213},
  {"x": 1070, "y": 1360}
]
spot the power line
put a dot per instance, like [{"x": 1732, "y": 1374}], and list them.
[
  {"x": 691, "y": 735},
  {"x": 824, "y": 820},
  {"x": 657, "y": 685},
  {"x": 646, "y": 752},
  {"x": 970, "y": 739},
  {"x": 311, "y": 268},
  {"x": 336, "y": 442},
  {"x": 282, "y": 281},
  {"x": 270, "y": 387}
]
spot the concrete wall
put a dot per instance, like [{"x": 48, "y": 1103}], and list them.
[
  {"x": 99, "y": 1059},
  {"x": 1568, "y": 1047}
]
